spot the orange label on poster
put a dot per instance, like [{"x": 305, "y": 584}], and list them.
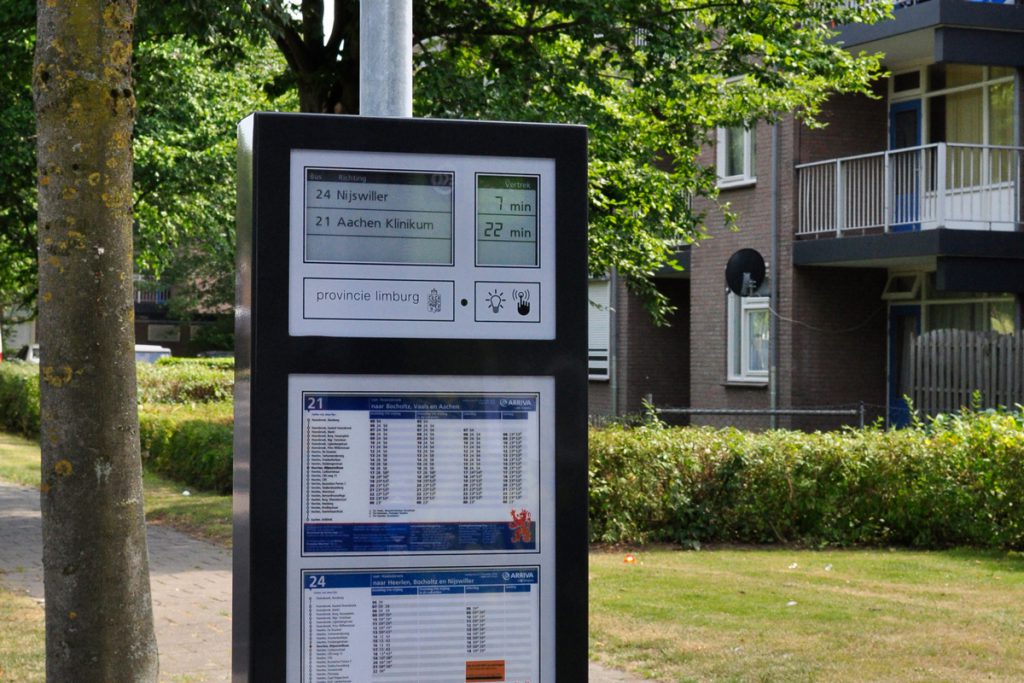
[{"x": 485, "y": 670}]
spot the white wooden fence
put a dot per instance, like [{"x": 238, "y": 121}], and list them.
[{"x": 947, "y": 366}]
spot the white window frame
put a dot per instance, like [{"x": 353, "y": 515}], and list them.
[
  {"x": 890, "y": 293},
  {"x": 599, "y": 331},
  {"x": 925, "y": 94},
  {"x": 748, "y": 175},
  {"x": 738, "y": 336}
]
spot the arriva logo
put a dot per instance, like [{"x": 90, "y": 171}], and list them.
[{"x": 516, "y": 402}]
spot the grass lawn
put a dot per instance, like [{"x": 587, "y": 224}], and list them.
[
  {"x": 19, "y": 460},
  {"x": 21, "y": 639},
  {"x": 206, "y": 515},
  {"x": 789, "y": 615},
  {"x": 758, "y": 615}
]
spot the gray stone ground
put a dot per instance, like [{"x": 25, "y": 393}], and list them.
[
  {"x": 190, "y": 581},
  {"x": 191, "y": 585}
]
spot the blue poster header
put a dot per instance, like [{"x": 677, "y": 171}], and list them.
[
  {"x": 412, "y": 537},
  {"x": 501, "y": 579},
  {"x": 433, "y": 405}
]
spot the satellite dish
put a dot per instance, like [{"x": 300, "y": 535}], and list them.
[{"x": 745, "y": 271}]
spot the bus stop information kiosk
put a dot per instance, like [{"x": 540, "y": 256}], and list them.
[{"x": 410, "y": 408}]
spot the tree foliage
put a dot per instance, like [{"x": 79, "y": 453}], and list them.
[
  {"x": 200, "y": 67},
  {"x": 190, "y": 99},
  {"x": 17, "y": 157},
  {"x": 651, "y": 78}
]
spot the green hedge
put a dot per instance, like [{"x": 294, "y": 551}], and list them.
[
  {"x": 958, "y": 481},
  {"x": 195, "y": 381},
  {"x": 19, "y": 398},
  {"x": 183, "y": 383},
  {"x": 192, "y": 444},
  {"x": 219, "y": 362}
]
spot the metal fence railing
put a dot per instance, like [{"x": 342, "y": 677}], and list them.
[{"x": 859, "y": 412}]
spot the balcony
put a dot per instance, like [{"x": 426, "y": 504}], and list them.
[
  {"x": 942, "y": 185},
  {"x": 907, "y": 3},
  {"x": 951, "y": 31},
  {"x": 899, "y": 4},
  {"x": 150, "y": 293}
]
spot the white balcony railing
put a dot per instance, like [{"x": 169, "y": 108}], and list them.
[
  {"x": 146, "y": 292},
  {"x": 967, "y": 187}
]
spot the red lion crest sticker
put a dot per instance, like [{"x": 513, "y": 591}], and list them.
[{"x": 520, "y": 526}]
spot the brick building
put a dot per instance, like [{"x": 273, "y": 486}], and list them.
[
  {"x": 897, "y": 242},
  {"x": 154, "y": 324}
]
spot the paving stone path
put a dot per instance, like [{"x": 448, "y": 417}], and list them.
[{"x": 191, "y": 586}]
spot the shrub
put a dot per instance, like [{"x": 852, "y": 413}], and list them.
[
  {"x": 957, "y": 481},
  {"x": 19, "y": 398},
  {"x": 219, "y": 362},
  {"x": 195, "y": 381},
  {"x": 192, "y": 444}
]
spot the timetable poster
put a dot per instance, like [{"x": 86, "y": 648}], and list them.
[
  {"x": 419, "y": 472},
  {"x": 421, "y": 626},
  {"x": 421, "y": 543}
]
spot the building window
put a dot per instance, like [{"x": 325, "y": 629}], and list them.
[
  {"x": 946, "y": 310},
  {"x": 163, "y": 333},
  {"x": 902, "y": 286},
  {"x": 963, "y": 103},
  {"x": 598, "y": 330},
  {"x": 737, "y": 153},
  {"x": 748, "y": 338},
  {"x": 973, "y": 311},
  {"x": 975, "y": 316}
]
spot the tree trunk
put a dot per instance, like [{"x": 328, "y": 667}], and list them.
[
  {"x": 326, "y": 86},
  {"x": 326, "y": 71},
  {"x": 99, "y": 620}
]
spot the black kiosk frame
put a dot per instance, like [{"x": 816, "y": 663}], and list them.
[{"x": 450, "y": 338}]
